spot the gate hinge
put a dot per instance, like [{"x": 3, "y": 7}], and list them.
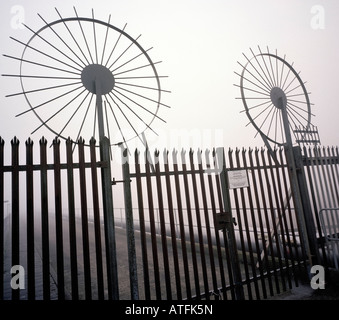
[{"x": 114, "y": 182}]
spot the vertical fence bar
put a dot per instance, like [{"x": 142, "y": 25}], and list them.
[
  {"x": 241, "y": 228},
  {"x": 97, "y": 224},
  {"x": 142, "y": 227},
  {"x": 2, "y": 217},
  {"x": 181, "y": 225},
  {"x": 172, "y": 225},
  {"x": 207, "y": 226},
  {"x": 272, "y": 230},
  {"x": 267, "y": 240},
  {"x": 199, "y": 226},
  {"x": 163, "y": 227},
  {"x": 44, "y": 220},
  {"x": 30, "y": 220},
  {"x": 247, "y": 227},
  {"x": 190, "y": 224},
  {"x": 132, "y": 261},
  {"x": 255, "y": 203},
  {"x": 152, "y": 224},
  {"x": 111, "y": 252},
  {"x": 254, "y": 227},
  {"x": 290, "y": 252},
  {"x": 15, "y": 211},
  {"x": 58, "y": 220},
  {"x": 72, "y": 221},
  {"x": 84, "y": 220},
  {"x": 276, "y": 218}
]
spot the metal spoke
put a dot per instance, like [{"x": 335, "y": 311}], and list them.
[
  {"x": 40, "y": 64},
  {"x": 83, "y": 120},
  {"x": 140, "y": 54},
  {"x": 95, "y": 39},
  {"x": 142, "y": 96},
  {"x": 139, "y": 105},
  {"x": 147, "y": 125},
  {"x": 142, "y": 87},
  {"x": 127, "y": 119},
  {"x": 282, "y": 73},
  {"x": 43, "y": 89},
  {"x": 288, "y": 73},
  {"x": 84, "y": 36},
  {"x": 105, "y": 42},
  {"x": 301, "y": 109},
  {"x": 52, "y": 116},
  {"x": 261, "y": 88},
  {"x": 256, "y": 106},
  {"x": 265, "y": 84},
  {"x": 53, "y": 46},
  {"x": 268, "y": 72},
  {"x": 49, "y": 101},
  {"x": 260, "y": 113},
  {"x": 137, "y": 68},
  {"x": 63, "y": 41},
  {"x": 43, "y": 53},
  {"x": 265, "y": 94},
  {"x": 296, "y": 112},
  {"x": 270, "y": 59},
  {"x": 115, "y": 45},
  {"x": 118, "y": 124},
  {"x": 124, "y": 52},
  {"x": 72, "y": 116},
  {"x": 39, "y": 77}
]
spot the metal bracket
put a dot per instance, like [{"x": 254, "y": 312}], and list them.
[
  {"x": 114, "y": 182},
  {"x": 222, "y": 219}
]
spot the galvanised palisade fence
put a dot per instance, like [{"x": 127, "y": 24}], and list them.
[{"x": 198, "y": 225}]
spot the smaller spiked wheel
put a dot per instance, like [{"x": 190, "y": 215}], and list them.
[{"x": 269, "y": 84}]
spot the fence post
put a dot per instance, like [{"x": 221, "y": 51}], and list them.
[
  {"x": 132, "y": 261},
  {"x": 299, "y": 209},
  {"x": 15, "y": 210},
  {"x": 111, "y": 256},
  {"x": 239, "y": 290},
  {"x": 305, "y": 200},
  {"x": 2, "y": 217}
]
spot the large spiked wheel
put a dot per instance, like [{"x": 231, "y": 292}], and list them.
[
  {"x": 267, "y": 84},
  {"x": 62, "y": 62}
]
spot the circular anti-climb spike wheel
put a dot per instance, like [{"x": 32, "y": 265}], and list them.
[
  {"x": 268, "y": 83},
  {"x": 71, "y": 62}
]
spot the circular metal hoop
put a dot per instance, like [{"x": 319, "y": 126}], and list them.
[
  {"x": 58, "y": 75},
  {"x": 267, "y": 85}
]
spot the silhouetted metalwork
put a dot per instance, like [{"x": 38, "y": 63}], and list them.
[{"x": 82, "y": 75}]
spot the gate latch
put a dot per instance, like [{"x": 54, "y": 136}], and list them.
[{"x": 222, "y": 219}]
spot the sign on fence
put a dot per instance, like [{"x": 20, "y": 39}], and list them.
[{"x": 238, "y": 179}]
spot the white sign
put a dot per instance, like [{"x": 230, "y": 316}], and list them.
[{"x": 238, "y": 179}]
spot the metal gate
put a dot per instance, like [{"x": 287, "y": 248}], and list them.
[{"x": 196, "y": 238}]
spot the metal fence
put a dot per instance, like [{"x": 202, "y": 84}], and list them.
[
  {"x": 197, "y": 225},
  {"x": 63, "y": 255},
  {"x": 199, "y": 252}
]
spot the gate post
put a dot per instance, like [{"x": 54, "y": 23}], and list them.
[
  {"x": 132, "y": 261},
  {"x": 111, "y": 253},
  {"x": 239, "y": 290},
  {"x": 305, "y": 200},
  {"x": 296, "y": 194}
]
